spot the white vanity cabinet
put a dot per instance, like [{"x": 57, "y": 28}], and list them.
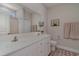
[{"x": 39, "y": 48}]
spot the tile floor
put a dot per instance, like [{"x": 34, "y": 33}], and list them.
[{"x": 62, "y": 52}]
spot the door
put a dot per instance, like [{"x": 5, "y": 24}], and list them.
[{"x": 13, "y": 25}]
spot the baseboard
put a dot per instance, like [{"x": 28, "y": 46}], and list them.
[{"x": 67, "y": 48}]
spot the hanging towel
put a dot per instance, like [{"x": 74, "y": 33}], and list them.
[
  {"x": 34, "y": 28},
  {"x": 74, "y": 32},
  {"x": 67, "y": 30}
]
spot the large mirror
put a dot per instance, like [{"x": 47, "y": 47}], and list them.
[
  {"x": 8, "y": 20},
  {"x": 19, "y": 20}
]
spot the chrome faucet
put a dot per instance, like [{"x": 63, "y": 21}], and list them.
[{"x": 15, "y": 39}]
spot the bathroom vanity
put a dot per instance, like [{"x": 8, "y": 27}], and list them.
[{"x": 27, "y": 45}]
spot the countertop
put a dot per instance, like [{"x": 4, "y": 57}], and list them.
[{"x": 10, "y": 47}]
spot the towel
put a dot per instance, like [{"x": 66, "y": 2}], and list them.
[
  {"x": 34, "y": 28},
  {"x": 74, "y": 32},
  {"x": 67, "y": 30}
]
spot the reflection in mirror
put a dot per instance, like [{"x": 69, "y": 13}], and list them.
[
  {"x": 8, "y": 21},
  {"x": 37, "y": 23},
  {"x": 13, "y": 23}
]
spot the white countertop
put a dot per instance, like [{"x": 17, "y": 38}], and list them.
[{"x": 10, "y": 47}]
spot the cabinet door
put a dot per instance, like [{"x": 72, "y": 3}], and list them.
[
  {"x": 46, "y": 46},
  {"x": 36, "y": 49},
  {"x": 41, "y": 48},
  {"x": 23, "y": 52}
]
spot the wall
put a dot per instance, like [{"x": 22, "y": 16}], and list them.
[{"x": 66, "y": 13}]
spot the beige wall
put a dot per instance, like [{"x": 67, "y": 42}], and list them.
[{"x": 66, "y": 13}]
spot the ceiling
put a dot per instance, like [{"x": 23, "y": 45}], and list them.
[{"x": 49, "y": 5}]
